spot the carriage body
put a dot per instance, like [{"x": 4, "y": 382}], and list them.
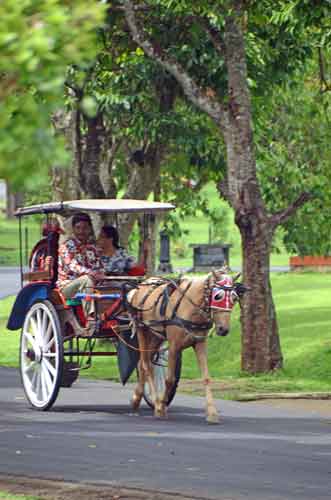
[{"x": 54, "y": 346}]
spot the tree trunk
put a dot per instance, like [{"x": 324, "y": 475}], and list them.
[
  {"x": 65, "y": 185},
  {"x": 13, "y": 201},
  {"x": 260, "y": 341}
]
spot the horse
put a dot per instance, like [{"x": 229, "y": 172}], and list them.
[{"x": 182, "y": 312}]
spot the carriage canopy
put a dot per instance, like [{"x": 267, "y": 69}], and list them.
[{"x": 119, "y": 205}]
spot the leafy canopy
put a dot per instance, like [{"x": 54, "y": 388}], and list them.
[{"x": 38, "y": 40}]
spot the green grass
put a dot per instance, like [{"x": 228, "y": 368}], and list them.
[
  {"x": 304, "y": 315},
  {"x": 9, "y": 239},
  {"x": 10, "y": 496},
  {"x": 197, "y": 229}
]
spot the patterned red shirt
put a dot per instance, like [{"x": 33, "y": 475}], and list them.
[{"x": 76, "y": 259}]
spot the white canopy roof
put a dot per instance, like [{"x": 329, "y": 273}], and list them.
[{"x": 116, "y": 206}]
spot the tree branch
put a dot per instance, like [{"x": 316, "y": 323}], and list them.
[
  {"x": 283, "y": 215},
  {"x": 214, "y": 34},
  {"x": 191, "y": 89}
]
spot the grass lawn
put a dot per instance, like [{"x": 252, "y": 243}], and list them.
[
  {"x": 9, "y": 239},
  {"x": 304, "y": 315},
  {"x": 9, "y": 496}
]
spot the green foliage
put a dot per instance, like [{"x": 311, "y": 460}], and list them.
[
  {"x": 293, "y": 137},
  {"x": 38, "y": 40},
  {"x": 8, "y": 496},
  {"x": 9, "y": 239}
]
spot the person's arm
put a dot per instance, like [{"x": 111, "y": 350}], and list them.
[{"x": 139, "y": 268}]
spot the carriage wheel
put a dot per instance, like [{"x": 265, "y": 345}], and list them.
[
  {"x": 41, "y": 355},
  {"x": 160, "y": 364}
]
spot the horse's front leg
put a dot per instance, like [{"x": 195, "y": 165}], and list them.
[{"x": 201, "y": 354}]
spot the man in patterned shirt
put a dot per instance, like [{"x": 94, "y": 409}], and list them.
[{"x": 79, "y": 264}]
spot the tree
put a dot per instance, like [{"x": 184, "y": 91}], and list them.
[
  {"x": 293, "y": 140},
  {"x": 132, "y": 130},
  {"x": 240, "y": 32},
  {"x": 38, "y": 40}
]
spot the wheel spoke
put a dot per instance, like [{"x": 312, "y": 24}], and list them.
[
  {"x": 44, "y": 321},
  {"x": 35, "y": 329},
  {"x": 38, "y": 383},
  {"x": 48, "y": 379},
  {"x": 31, "y": 339},
  {"x": 39, "y": 320},
  {"x": 47, "y": 336},
  {"x": 34, "y": 378},
  {"x": 35, "y": 381},
  {"x": 49, "y": 345},
  {"x": 50, "y": 367},
  {"x": 49, "y": 355},
  {"x": 30, "y": 366},
  {"x": 44, "y": 392}
]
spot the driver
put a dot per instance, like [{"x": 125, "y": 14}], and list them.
[{"x": 79, "y": 263}]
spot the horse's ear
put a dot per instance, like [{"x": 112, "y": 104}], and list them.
[{"x": 214, "y": 274}]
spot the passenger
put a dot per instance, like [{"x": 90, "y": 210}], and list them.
[
  {"x": 79, "y": 264},
  {"x": 114, "y": 259}
]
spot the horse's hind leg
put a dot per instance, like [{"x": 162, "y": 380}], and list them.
[
  {"x": 171, "y": 376},
  {"x": 211, "y": 410},
  {"x": 139, "y": 389},
  {"x": 145, "y": 374}
]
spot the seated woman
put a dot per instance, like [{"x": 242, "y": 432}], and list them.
[{"x": 114, "y": 259}]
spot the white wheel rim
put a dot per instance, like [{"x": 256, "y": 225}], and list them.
[
  {"x": 39, "y": 355},
  {"x": 160, "y": 372}
]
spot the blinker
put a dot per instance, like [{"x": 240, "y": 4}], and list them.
[{"x": 223, "y": 295}]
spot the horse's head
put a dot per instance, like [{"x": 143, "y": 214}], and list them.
[{"x": 225, "y": 293}]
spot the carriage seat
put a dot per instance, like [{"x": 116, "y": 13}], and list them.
[
  {"x": 137, "y": 270},
  {"x": 47, "y": 246}
]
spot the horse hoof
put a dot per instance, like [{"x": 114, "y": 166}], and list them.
[
  {"x": 213, "y": 419},
  {"x": 160, "y": 414},
  {"x": 135, "y": 403}
]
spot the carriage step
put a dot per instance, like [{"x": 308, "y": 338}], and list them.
[
  {"x": 97, "y": 296},
  {"x": 74, "y": 302}
]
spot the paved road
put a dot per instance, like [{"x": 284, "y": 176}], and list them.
[
  {"x": 258, "y": 453},
  {"x": 10, "y": 281}
]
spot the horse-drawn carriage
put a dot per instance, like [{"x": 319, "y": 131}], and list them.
[
  {"x": 146, "y": 321},
  {"x": 54, "y": 346}
]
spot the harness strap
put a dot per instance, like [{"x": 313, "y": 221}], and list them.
[
  {"x": 174, "y": 320},
  {"x": 178, "y": 321},
  {"x": 167, "y": 292},
  {"x": 175, "y": 309}
]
